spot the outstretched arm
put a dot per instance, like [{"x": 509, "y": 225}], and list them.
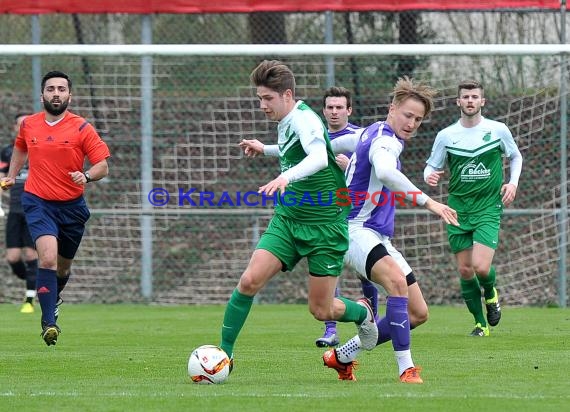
[
  {"x": 345, "y": 143},
  {"x": 384, "y": 159},
  {"x": 448, "y": 214},
  {"x": 254, "y": 147}
]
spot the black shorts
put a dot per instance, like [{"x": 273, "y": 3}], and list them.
[{"x": 17, "y": 233}]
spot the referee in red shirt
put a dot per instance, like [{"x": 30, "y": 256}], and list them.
[{"x": 55, "y": 142}]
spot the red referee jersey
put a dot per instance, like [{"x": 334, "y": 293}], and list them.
[{"x": 54, "y": 151}]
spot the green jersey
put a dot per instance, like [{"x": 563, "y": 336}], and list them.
[
  {"x": 475, "y": 159},
  {"x": 313, "y": 199}
]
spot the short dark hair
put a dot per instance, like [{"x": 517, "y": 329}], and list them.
[
  {"x": 469, "y": 84},
  {"x": 53, "y": 74},
  {"x": 337, "y": 91},
  {"x": 274, "y": 75}
]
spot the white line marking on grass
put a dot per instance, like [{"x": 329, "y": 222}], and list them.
[{"x": 210, "y": 393}]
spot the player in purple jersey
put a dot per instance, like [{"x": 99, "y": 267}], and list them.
[
  {"x": 373, "y": 176},
  {"x": 337, "y": 107}
]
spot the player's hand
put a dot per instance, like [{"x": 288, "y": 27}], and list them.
[
  {"x": 433, "y": 178},
  {"x": 251, "y": 148},
  {"x": 7, "y": 182},
  {"x": 342, "y": 161},
  {"x": 277, "y": 184},
  {"x": 509, "y": 191},
  {"x": 78, "y": 177},
  {"x": 448, "y": 214}
]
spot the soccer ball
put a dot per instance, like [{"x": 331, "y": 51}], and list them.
[{"x": 208, "y": 364}]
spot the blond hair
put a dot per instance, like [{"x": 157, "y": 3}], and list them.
[{"x": 407, "y": 88}]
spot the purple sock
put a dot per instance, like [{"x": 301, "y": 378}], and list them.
[
  {"x": 371, "y": 293},
  {"x": 46, "y": 287},
  {"x": 399, "y": 322},
  {"x": 330, "y": 324},
  {"x": 383, "y": 330}
]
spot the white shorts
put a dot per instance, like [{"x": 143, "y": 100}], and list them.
[{"x": 361, "y": 241}]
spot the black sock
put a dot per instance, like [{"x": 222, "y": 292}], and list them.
[
  {"x": 31, "y": 273},
  {"x": 19, "y": 269},
  {"x": 61, "y": 282}
]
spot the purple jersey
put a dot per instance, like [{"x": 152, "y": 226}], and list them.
[
  {"x": 349, "y": 129},
  {"x": 373, "y": 205}
]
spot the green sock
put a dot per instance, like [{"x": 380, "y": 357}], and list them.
[
  {"x": 353, "y": 313},
  {"x": 234, "y": 318},
  {"x": 471, "y": 292},
  {"x": 488, "y": 283}
]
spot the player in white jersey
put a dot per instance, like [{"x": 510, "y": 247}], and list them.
[
  {"x": 474, "y": 148},
  {"x": 337, "y": 107},
  {"x": 375, "y": 182},
  {"x": 299, "y": 228}
]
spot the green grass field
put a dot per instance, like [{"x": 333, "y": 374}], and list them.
[{"x": 134, "y": 357}]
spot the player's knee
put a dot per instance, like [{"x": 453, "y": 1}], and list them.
[
  {"x": 48, "y": 261},
  {"x": 30, "y": 254},
  {"x": 12, "y": 260},
  {"x": 249, "y": 285},
  {"x": 13, "y": 255},
  {"x": 466, "y": 272},
  {"x": 394, "y": 282},
  {"x": 481, "y": 269},
  {"x": 47, "y": 264}
]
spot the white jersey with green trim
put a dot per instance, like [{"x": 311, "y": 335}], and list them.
[{"x": 475, "y": 159}]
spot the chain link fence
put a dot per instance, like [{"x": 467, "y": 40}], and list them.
[{"x": 202, "y": 106}]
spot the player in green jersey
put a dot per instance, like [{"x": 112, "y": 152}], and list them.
[
  {"x": 309, "y": 220},
  {"x": 474, "y": 148}
]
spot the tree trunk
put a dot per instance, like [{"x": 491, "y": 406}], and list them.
[
  {"x": 267, "y": 28},
  {"x": 408, "y": 34}
]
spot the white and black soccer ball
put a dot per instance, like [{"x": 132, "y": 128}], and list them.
[{"x": 208, "y": 364}]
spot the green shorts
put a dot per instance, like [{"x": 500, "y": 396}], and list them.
[
  {"x": 324, "y": 246},
  {"x": 480, "y": 228}
]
